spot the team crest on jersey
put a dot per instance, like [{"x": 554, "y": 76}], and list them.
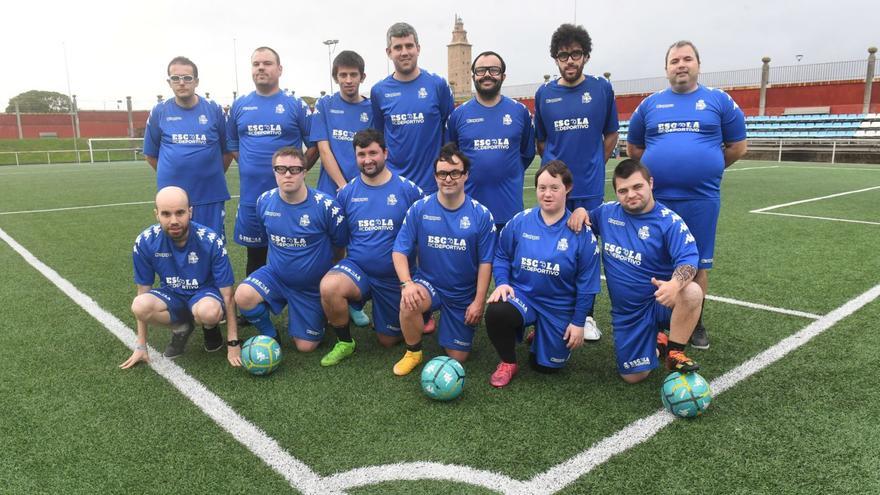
[
  {"x": 365, "y": 117},
  {"x": 643, "y": 232},
  {"x": 701, "y": 105},
  {"x": 203, "y": 120},
  {"x": 586, "y": 98},
  {"x": 192, "y": 258},
  {"x": 464, "y": 223},
  {"x": 279, "y": 108},
  {"x": 392, "y": 200},
  {"x": 423, "y": 93},
  {"x": 506, "y": 120},
  {"x": 304, "y": 220},
  {"x": 562, "y": 245}
]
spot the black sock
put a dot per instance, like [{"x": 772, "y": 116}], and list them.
[
  {"x": 343, "y": 333},
  {"x": 502, "y": 322},
  {"x": 256, "y": 257},
  {"x": 414, "y": 347},
  {"x": 533, "y": 363},
  {"x": 675, "y": 346}
]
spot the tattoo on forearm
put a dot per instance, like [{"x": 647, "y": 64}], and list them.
[{"x": 685, "y": 273}]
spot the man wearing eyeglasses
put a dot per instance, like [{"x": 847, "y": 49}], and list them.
[
  {"x": 307, "y": 234},
  {"x": 453, "y": 237},
  {"x": 497, "y": 135},
  {"x": 185, "y": 143},
  {"x": 576, "y": 122}
]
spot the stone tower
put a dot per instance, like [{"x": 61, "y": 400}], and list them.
[{"x": 459, "y": 60}]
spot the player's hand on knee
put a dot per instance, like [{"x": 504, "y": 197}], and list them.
[
  {"x": 574, "y": 336},
  {"x": 666, "y": 293},
  {"x": 474, "y": 313},
  {"x": 578, "y": 219},
  {"x": 233, "y": 355},
  {"x": 501, "y": 293},
  {"x": 136, "y": 357},
  {"x": 411, "y": 296}
]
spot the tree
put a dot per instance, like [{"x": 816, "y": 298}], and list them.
[{"x": 36, "y": 101}]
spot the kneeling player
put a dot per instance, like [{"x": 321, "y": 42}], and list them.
[
  {"x": 454, "y": 239},
  {"x": 306, "y": 234},
  {"x": 546, "y": 276},
  {"x": 195, "y": 280},
  {"x": 374, "y": 205}
]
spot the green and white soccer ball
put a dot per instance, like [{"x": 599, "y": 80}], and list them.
[
  {"x": 685, "y": 395},
  {"x": 442, "y": 378},
  {"x": 260, "y": 355}
]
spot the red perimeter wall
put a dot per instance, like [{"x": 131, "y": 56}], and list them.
[{"x": 91, "y": 124}]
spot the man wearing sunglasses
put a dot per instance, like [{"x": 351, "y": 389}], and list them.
[
  {"x": 576, "y": 122},
  {"x": 307, "y": 234},
  {"x": 185, "y": 143},
  {"x": 497, "y": 135}
]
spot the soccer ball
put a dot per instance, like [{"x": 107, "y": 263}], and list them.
[
  {"x": 442, "y": 378},
  {"x": 260, "y": 355},
  {"x": 685, "y": 395}
]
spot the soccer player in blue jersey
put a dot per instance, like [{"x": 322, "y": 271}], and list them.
[
  {"x": 650, "y": 260},
  {"x": 411, "y": 107},
  {"x": 185, "y": 143},
  {"x": 688, "y": 134},
  {"x": 453, "y": 237},
  {"x": 545, "y": 275},
  {"x": 259, "y": 124},
  {"x": 497, "y": 135},
  {"x": 576, "y": 122},
  {"x": 374, "y": 205},
  {"x": 195, "y": 281},
  {"x": 307, "y": 234}
]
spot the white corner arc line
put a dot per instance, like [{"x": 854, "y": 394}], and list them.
[
  {"x": 86, "y": 207},
  {"x": 253, "y": 438},
  {"x": 411, "y": 471},
  {"x": 764, "y": 307},
  {"x": 810, "y": 200},
  {"x": 812, "y": 217}
]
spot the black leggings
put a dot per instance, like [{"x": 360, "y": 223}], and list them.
[
  {"x": 256, "y": 257},
  {"x": 503, "y": 321}
]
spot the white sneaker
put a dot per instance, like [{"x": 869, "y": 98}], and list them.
[{"x": 591, "y": 331}]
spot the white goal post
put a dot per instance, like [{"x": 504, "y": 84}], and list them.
[{"x": 114, "y": 149}]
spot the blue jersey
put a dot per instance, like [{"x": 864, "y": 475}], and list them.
[
  {"x": 682, "y": 135},
  {"x": 552, "y": 266},
  {"x": 301, "y": 236},
  {"x": 374, "y": 215},
  {"x": 413, "y": 117},
  {"x": 336, "y": 121},
  {"x": 201, "y": 263},
  {"x": 189, "y": 144},
  {"x": 257, "y": 126},
  {"x": 572, "y": 123},
  {"x": 638, "y": 247},
  {"x": 500, "y": 143},
  {"x": 450, "y": 245}
]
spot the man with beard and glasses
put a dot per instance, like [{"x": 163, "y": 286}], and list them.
[
  {"x": 374, "y": 205},
  {"x": 576, "y": 122},
  {"x": 497, "y": 135},
  {"x": 195, "y": 281}
]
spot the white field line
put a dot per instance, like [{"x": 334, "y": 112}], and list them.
[
  {"x": 749, "y": 168},
  {"x": 763, "y": 307},
  {"x": 810, "y": 200},
  {"x": 815, "y": 218},
  {"x": 820, "y": 167},
  {"x": 69, "y": 208}
]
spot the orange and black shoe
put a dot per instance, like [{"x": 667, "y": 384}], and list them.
[
  {"x": 662, "y": 345},
  {"x": 678, "y": 361}
]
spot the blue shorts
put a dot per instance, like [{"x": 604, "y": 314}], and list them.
[
  {"x": 385, "y": 294},
  {"x": 305, "y": 316},
  {"x": 635, "y": 337},
  {"x": 701, "y": 217},
  {"x": 248, "y": 232},
  {"x": 585, "y": 203},
  {"x": 213, "y": 216},
  {"x": 452, "y": 332},
  {"x": 180, "y": 307},
  {"x": 548, "y": 346}
]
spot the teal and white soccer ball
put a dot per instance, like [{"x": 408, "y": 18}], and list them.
[
  {"x": 260, "y": 355},
  {"x": 442, "y": 378},
  {"x": 685, "y": 395}
]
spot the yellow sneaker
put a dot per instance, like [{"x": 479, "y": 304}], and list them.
[{"x": 407, "y": 363}]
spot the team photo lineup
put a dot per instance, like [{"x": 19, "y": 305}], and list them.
[{"x": 418, "y": 210}]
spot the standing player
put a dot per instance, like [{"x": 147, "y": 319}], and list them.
[
  {"x": 195, "y": 281},
  {"x": 185, "y": 143},
  {"x": 307, "y": 234},
  {"x": 453, "y": 237},
  {"x": 258, "y": 125},
  {"x": 688, "y": 134},
  {"x": 546, "y": 276},
  {"x": 411, "y": 107},
  {"x": 374, "y": 205},
  {"x": 497, "y": 135},
  {"x": 576, "y": 122},
  {"x": 650, "y": 261}
]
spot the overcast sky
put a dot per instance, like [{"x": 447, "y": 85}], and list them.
[{"x": 116, "y": 49}]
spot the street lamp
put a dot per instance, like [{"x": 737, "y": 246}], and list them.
[{"x": 331, "y": 47}]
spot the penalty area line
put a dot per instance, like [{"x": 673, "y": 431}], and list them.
[
  {"x": 810, "y": 200},
  {"x": 86, "y": 207}
]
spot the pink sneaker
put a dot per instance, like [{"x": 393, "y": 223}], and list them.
[
  {"x": 503, "y": 374},
  {"x": 430, "y": 327}
]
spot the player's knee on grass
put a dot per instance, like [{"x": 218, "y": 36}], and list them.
[
  {"x": 246, "y": 297},
  {"x": 145, "y": 305},
  {"x": 208, "y": 312},
  {"x": 460, "y": 356},
  {"x": 305, "y": 345},
  {"x": 633, "y": 378}
]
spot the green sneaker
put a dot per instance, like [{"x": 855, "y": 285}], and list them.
[{"x": 339, "y": 352}]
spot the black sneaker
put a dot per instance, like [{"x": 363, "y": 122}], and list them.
[
  {"x": 179, "y": 336},
  {"x": 242, "y": 321},
  {"x": 213, "y": 339},
  {"x": 700, "y": 339}
]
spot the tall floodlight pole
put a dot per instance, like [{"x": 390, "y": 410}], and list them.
[
  {"x": 72, "y": 111},
  {"x": 235, "y": 63},
  {"x": 331, "y": 47}
]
